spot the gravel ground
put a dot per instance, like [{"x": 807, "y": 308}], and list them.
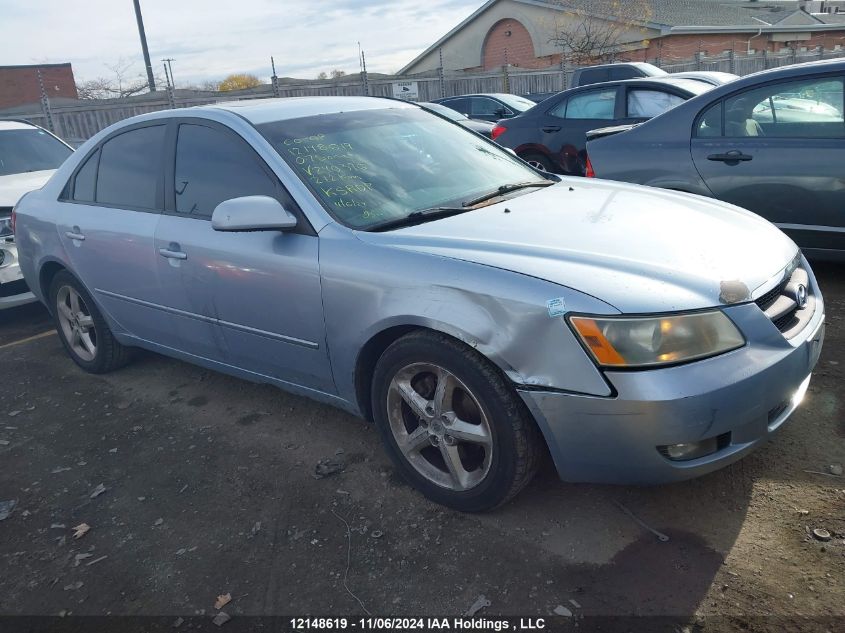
[{"x": 210, "y": 489}]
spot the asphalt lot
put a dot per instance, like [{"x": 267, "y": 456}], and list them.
[{"x": 210, "y": 489}]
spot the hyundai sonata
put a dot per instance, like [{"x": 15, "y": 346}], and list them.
[{"x": 377, "y": 257}]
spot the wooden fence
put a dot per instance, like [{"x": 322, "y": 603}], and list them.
[{"x": 82, "y": 119}]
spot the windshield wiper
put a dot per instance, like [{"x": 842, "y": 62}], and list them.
[
  {"x": 500, "y": 191},
  {"x": 418, "y": 217}
]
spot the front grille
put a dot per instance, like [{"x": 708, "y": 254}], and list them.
[{"x": 780, "y": 304}]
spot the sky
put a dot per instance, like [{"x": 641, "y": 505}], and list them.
[{"x": 209, "y": 39}]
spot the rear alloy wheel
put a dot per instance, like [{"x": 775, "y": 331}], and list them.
[
  {"x": 82, "y": 329},
  {"x": 452, "y": 424},
  {"x": 538, "y": 162},
  {"x": 76, "y": 323}
]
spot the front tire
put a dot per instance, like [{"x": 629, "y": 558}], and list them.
[
  {"x": 538, "y": 162},
  {"x": 452, "y": 424},
  {"x": 82, "y": 329}
]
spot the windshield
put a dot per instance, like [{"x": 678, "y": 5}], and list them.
[
  {"x": 373, "y": 166},
  {"x": 30, "y": 149}
]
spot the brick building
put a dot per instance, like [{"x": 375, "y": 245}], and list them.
[
  {"x": 526, "y": 33},
  {"x": 19, "y": 84}
]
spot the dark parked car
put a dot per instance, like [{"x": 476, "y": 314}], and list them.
[
  {"x": 485, "y": 128},
  {"x": 772, "y": 142},
  {"x": 488, "y": 107},
  {"x": 614, "y": 72},
  {"x": 553, "y": 135}
]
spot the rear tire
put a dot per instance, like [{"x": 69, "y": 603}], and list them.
[
  {"x": 82, "y": 329},
  {"x": 452, "y": 424}
]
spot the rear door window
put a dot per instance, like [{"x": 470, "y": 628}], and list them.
[
  {"x": 485, "y": 107},
  {"x": 644, "y": 103},
  {"x": 624, "y": 72},
  {"x": 803, "y": 108},
  {"x": 593, "y": 104},
  {"x": 213, "y": 166},
  {"x": 130, "y": 169},
  {"x": 594, "y": 76},
  {"x": 458, "y": 105}
]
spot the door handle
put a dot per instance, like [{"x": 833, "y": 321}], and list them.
[
  {"x": 169, "y": 254},
  {"x": 733, "y": 156},
  {"x": 551, "y": 128},
  {"x": 75, "y": 234}
]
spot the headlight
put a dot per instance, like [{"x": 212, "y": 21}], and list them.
[{"x": 659, "y": 340}]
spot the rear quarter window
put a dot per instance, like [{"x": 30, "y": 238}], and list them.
[
  {"x": 709, "y": 123},
  {"x": 85, "y": 181}
]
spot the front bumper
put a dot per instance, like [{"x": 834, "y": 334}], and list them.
[
  {"x": 13, "y": 289},
  {"x": 741, "y": 398}
]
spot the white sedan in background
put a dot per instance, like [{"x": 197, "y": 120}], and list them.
[{"x": 28, "y": 157}]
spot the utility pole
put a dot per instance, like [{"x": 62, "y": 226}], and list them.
[
  {"x": 274, "y": 79},
  {"x": 150, "y": 79},
  {"x": 170, "y": 68},
  {"x": 440, "y": 73},
  {"x": 171, "y": 98},
  {"x": 364, "y": 79},
  {"x": 45, "y": 104}
]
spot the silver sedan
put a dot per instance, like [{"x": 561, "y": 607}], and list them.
[{"x": 377, "y": 257}]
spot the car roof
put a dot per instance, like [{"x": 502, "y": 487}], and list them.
[
  {"x": 258, "y": 111},
  {"x": 797, "y": 69},
  {"x": 642, "y": 65},
  {"x": 690, "y": 85},
  {"x": 16, "y": 125},
  {"x": 495, "y": 95}
]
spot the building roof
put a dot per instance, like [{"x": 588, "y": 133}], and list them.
[
  {"x": 673, "y": 13},
  {"x": 680, "y": 16},
  {"x": 36, "y": 66}
]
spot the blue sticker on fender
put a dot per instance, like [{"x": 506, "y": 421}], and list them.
[{"x": 557, "y": 307}]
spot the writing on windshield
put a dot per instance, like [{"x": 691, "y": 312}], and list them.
[{"x": 370, "y": 166}]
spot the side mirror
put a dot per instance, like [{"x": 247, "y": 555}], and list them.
[{"x": 252, "y": 213}]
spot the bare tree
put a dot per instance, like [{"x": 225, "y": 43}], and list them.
[
  {"x": 125, "y": 80},
  {"x": 322, "y": 75},
  {"x": 597, "y": 30},
  {"x": 210, "y": 85},
  {"x": 337, "y": 73}
]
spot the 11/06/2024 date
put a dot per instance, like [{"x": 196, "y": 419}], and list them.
[{"x": 415, "y": 624}]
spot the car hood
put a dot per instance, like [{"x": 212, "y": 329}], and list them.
[
  {"x": 13, "y": 186},
  {"x": 637, "y": 248}
]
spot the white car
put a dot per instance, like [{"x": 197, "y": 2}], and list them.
[{"x": 28, "y": 157}]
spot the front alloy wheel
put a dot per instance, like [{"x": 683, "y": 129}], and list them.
[
  {"x": 452, "y": 422},
  {"x": 439, "y": 426}
]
